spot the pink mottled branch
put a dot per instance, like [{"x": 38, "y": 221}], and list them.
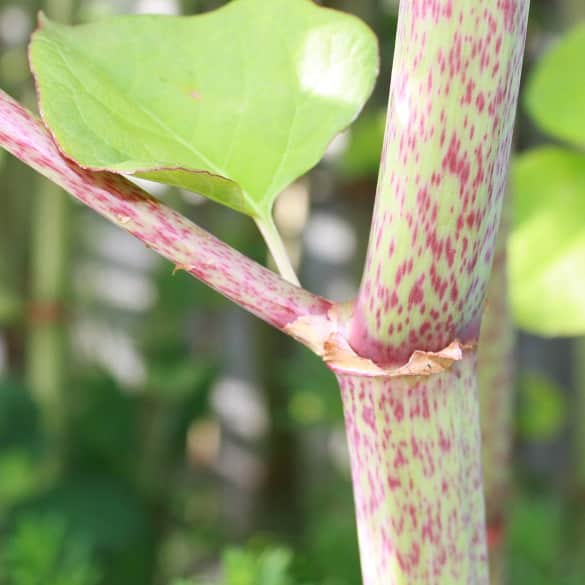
[{"x": 162, "y": 229}]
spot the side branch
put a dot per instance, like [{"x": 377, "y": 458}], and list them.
[{"x": 162, "y": 229}]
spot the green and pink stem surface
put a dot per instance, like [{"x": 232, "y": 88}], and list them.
[
  {"x": 442, "y": 180},
  {"x": 405, "y": 351}
]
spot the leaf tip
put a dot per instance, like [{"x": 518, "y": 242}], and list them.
[{"x": 43, "y": 21}]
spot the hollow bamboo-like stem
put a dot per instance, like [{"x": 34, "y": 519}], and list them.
[
  {"x": 451, "y": 112},
  {"x": 415, "y": 453},
  {"x": 443, "y": 174}
]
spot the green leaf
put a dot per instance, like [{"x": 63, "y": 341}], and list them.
[
  {"x": 542, "y": 412},
  {"x": 555, "y": 95},
  {"x": 361, "y": 159},
  {"x": 105, "y": 515},
  {"x": 19, "y": 475},
  {"x": 534, "y": 537},
  {"x": 19, "y": 417},
  {"x": 234, "y": 104},
  {"x": 547, "y": 243},
  {"x": 270, "y": 567},
  {"x": 40, "y": 551},
  {"x": 10, "y": 306}
]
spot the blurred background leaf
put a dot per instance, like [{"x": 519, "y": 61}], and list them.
[
  {"x": 40, "y": 552},
  {"x": 556, "y": 92},
  {"x": 542, "y": 411},
  {"x": 363, "y": 149},
  {"x": 547, "y": 243}
]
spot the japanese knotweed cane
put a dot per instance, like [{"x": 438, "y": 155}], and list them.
[
  {"x": 414, "y": 447},
  {"x": 415, "y": 441}
]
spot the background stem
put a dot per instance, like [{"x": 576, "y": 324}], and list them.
[
  {"x": 46, "y": 351},
  {"x": 47, "y": 345},
  {"x": 496, "y": 392}
]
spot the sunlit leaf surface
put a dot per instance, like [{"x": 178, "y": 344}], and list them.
[
  {"x": 547, "y": 244},
  {"x": 234, "y": 104}
]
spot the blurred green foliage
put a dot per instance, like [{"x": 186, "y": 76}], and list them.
[
  {"x": 542, "y": 550},
  {"x": 361, "y": 156},
  {"x": 547, "y": 241},
  {"x": 40, "y": 552},
  {"x": 314, "y": 397},
  {"x": 556, "y": 91},
  {"x": 542, "y": 408},
  {"x": 271, "y": 567},
  {"x": 10, "y": 307}
]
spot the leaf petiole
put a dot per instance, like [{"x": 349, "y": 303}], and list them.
[{"x": 277, "y": 249}]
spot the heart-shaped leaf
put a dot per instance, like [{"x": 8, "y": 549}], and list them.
[
  {"x": 234, "y": 104},
  {"x": 547, "y": 243}
]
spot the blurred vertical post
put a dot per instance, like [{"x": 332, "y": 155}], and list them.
[
  {"x": 8, "y": 304},
  {"x": 496, "y": 395},
  {"x": 46, "y": 351}
]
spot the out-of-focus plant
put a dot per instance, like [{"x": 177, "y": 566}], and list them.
[
  {"x": 20, "y": 445},
  {"x": 361, "y": 154},
  {"x": 547, "y": 243},
  {"x": 271, "y": 566},
  {"x": 542, "y": 412},
  {"x": 39, "y": 552},
  {"x": 547, "y": 277}
]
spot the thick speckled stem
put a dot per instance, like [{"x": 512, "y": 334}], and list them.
[
  {"x": 190, "y": 248},
  {"x": 496, "y": 398},
  {"x": 451, "y": 114},
  {"x": 442, "y": 179},
  {"x": 415, "y": 453}
]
